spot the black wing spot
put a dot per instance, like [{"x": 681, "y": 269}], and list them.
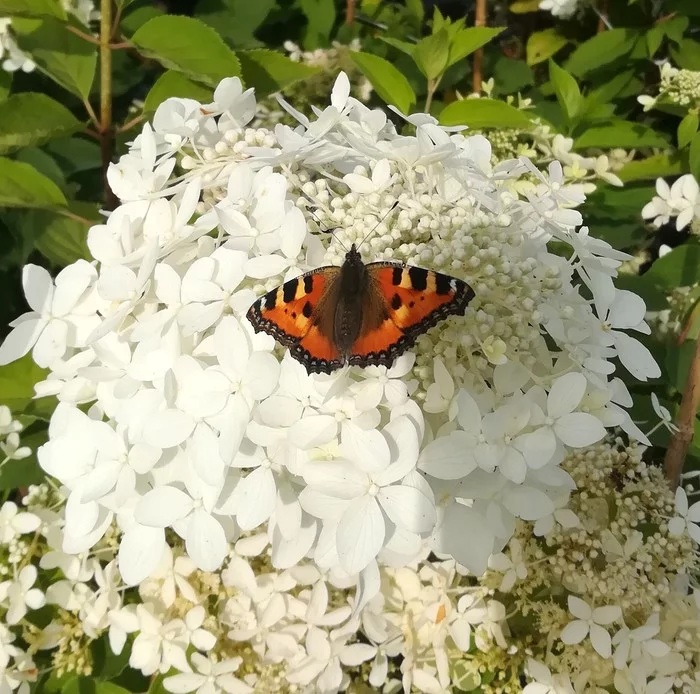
[
  {"x": 443, "y": 284},
  {"x": 397, "y": 275},
  {"x": 418, "y": 277},
  {"x": 294, "y": 315},
  {"x": 308, "y": 309},
  {"x": 308, "y": 283},
  {"x": 270, "y": 299},
  {"x": 411, "y": 304},
  {"x": 289, "y": 290},
  {"x": 396, "y": 302}
]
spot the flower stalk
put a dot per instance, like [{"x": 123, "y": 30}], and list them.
[
  {"x": 678, "y": 448},
  {"x": 105, "y": 123},
  {"x": 479, "y": 21}
]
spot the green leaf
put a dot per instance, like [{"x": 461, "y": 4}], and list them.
[
  {"x": 620, "y": 134},
  {"x": 89, "y": 685},
  {"x": 44, "y": 163},
  {"x": 107, "y": 665},
  {"x": 64, "y": 57},
  {"x": 59, "y": 239},
  {"x": 687, "y": 54},
  {"x": 677, "y": 363},
  {"x": 188, "y": 46},
  {"x": 388, "y": 82},
  {"x": 21, "y": 185},
  {"x": 5, "y": 84},
  {"x": 431, "y": 54},
  {"x": 658, "y": 165},
  {"x": 566, "y": 89},
  {"x": 524, "y": 6},
  {"x": 403, "y": 46},
  {"x": 679, "y": 268},
  {"x": 17, "y": 381},
  {"x": 484, "y": 114},
  {"x": 469, "y": 40},
  {"x": 235, "y": 20},
  {"x": 687, "y": 128},
  {"x": 654, "y": 38},
  {"x": 269, "y": 71},
  {"x": 75, "y": 154},
  {"x": 33, "y": 119},
  {"x": 608, "y": 90},
  {"x": 542, "y": 45},
  {"x": 32, "y": 8},
  {"x": 320, "y": 15},
  {"x": 675, "y": 27},
  {"x": 512, "y": 75},
  {"x": 694, "y": 156},
  {"x": 600, "y": 50},
  {"x": 171, "y": 84}
]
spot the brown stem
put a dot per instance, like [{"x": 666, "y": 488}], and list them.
[
  {"x": 349, "y": 12},
  {"x": 91, "y": 113},
  {"x": 479, "y": 21},
  {"x": 106, "y": 130},
  {"x": 602, "y": 16},
  {"x": 120, "y": 46},
  {"x": 680, "y": 442},
  {"x": 131, "y": 123},
  {"x": 86, "y": 37}
]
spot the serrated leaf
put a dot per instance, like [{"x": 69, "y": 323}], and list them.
[
  {"x": 32, "y": 8},
  {"x": 620, "y": 134},
  {"x": 431, "y": 54},
  {"x": 269, "y": 71},
  {"x": 175, "y": 84},
  {"x": 686, "y": 54},
  {"x": 469, "y": 40},
  {"x": 679, "y": 268},
  {"x": 320, "y": 17},
  {"x": 390, "y": 84},
  {"x": 188, "y": 46},
  {"x": 567, "y": 91},
  {"x": 21, "y": 185},
  {"x": 542, "y": 45},
  {"x": 687, "y": 129},
  {"x": 403, "y": 46},
  {"x": 235, "y": 20},
  {"x": 658, "y": 165},
  {"x": 694, "y": 156},
  {"x": 61, "y": 240},
  {"x": 654, "y": 37},
  {"x": 64, "y": 57},
  {"x": 32, "y": 119},
  {"x": 484, "y": 114},
  {"x": 600, "y": 50}
]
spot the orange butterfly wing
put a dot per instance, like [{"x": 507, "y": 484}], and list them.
[
  {"x": 287, "y": 313},
  {"x": 415, "y": 300}
]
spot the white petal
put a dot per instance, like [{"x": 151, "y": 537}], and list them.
[
  {"x": 21, "y": 339},
  {"x": 635, "y": 357},
  {"x": 168, "y": 428},
  {"x": 601, "y": 641},
  {"x": 51, "y": 344},
  {"x": 140, "y": 552},
  {"x": 369, "y": 450},
  {"x": 206, "y": 541},
  {"x": 360, "y": 534},
  {"x": 408, "y": 507},
  {"x": 566, "y": 393},
  {"x": 574, "y": 632},
  {"x": 255, "y": 498},
  {"x": 357, "y": 653},
  {"x": 162, "y": 506},
  {"x": 579, "y": 429},
  {"x": 448, "y": 457},
  {"x": 38, "y": 287},
  {"x": 336, "y": 478},
  {"x": 579, "y": 608},
  {"x": 183, "y": 683},
  {"x": 607, "y": 614}
]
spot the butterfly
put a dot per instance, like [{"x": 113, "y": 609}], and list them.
[{"x": 358, "y": 314}]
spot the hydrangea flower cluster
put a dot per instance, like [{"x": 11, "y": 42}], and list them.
[
  {"x": 197, "y": 458},
  {"x": 678, "y": 86},
  {"x": 10, "y": 428},
  {"x": 564, "y": 9},
  {"x": 680, "y": 200},
  {"x": 543, "y": 145},
  {"x": 13, "y": 58}
]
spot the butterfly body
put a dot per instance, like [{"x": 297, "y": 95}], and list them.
[{"x": 359, "y": 314}]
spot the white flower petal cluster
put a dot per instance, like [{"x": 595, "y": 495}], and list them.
[
  {"x": 187, "y": 444},
  {"x": 197, "y": 426},
  {"x": 680, "y": 200}
]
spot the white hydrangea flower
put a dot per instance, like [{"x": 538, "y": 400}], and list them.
[
  {"x": 590, "y": 622},
  {"x": 688, "y": 517},
  {"x": 209, "y": 678},
  {"x": 19, "y": 595}
]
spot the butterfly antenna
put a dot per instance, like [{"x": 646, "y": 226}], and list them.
[
  {"x": 374, "y": 228},
  {"x": 321, "y": 225}
]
